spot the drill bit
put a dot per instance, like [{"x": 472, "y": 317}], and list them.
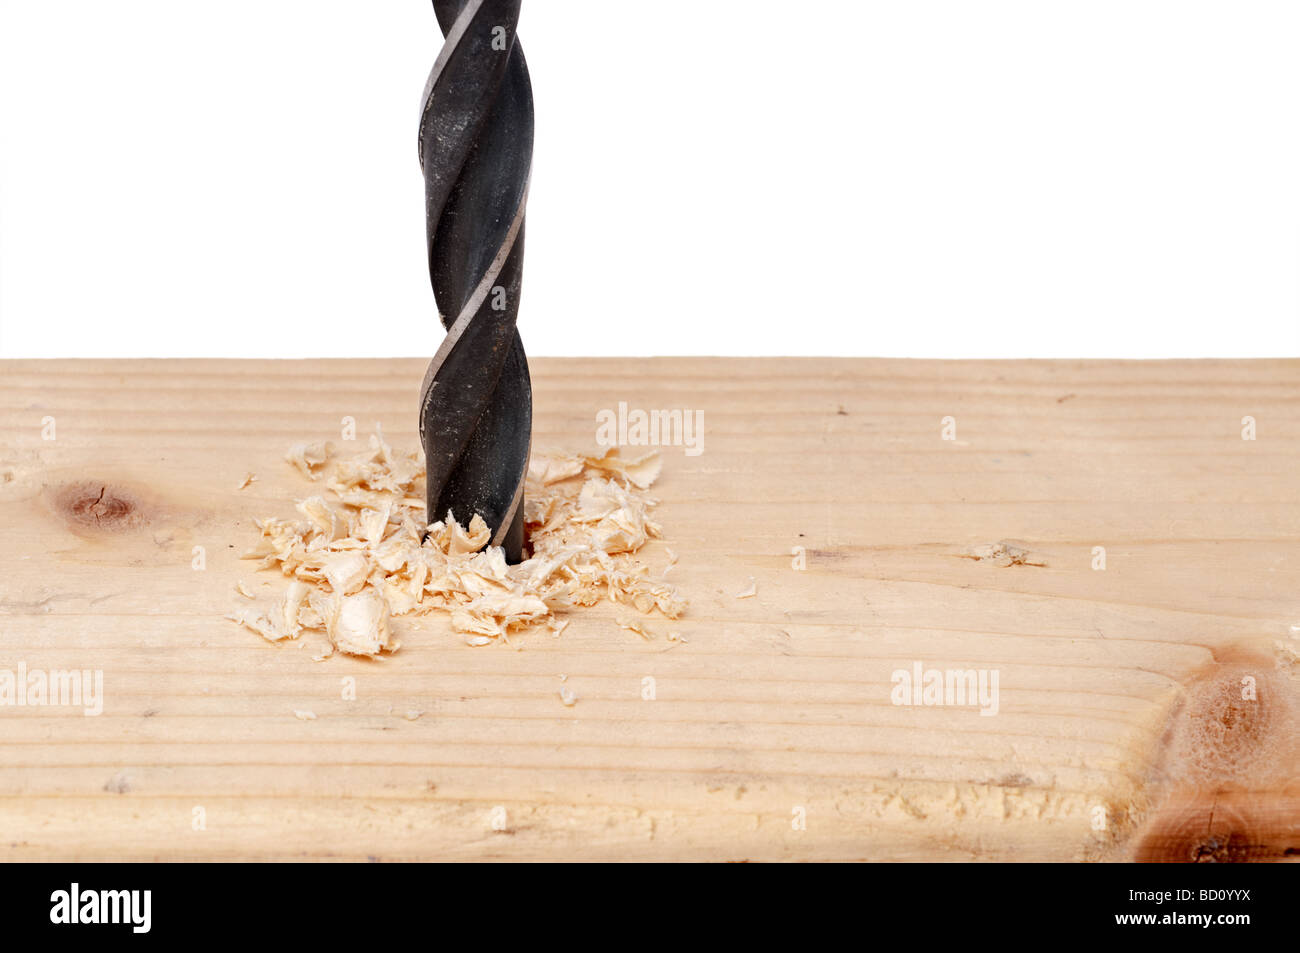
[{"x": 476, "y": 147}]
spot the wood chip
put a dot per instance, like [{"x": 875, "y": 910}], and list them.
[
  {"x": 672, "y": 561},
  {"x": 259, "y": 623},
  {"x": 308, "y": 458},
  {"x": 633, "y": 623},
  {"x": 358, "y": 624},
  {"x": 748, "y": 591}
]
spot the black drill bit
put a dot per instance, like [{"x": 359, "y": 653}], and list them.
[{"x": 476, "y": 148}]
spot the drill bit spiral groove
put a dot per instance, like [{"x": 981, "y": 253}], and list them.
[{"x": 475, "y": 148}]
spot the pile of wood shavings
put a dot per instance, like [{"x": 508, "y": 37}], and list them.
[{"x": 356, "y": 559}]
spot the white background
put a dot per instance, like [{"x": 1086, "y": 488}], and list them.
[{"x": 933, "y": 179}]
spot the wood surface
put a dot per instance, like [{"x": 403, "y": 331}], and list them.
[{"x": 1121, "y": 732}]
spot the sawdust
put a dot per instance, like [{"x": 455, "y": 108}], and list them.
[{"x": 358, "y": 554}]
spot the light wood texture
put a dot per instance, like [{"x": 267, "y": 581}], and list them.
[{"x": 1118, "y": 687}]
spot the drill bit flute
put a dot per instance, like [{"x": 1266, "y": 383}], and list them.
[{"x": 476, "y": 145}]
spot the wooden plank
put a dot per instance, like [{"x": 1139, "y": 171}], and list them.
[{"x": 1120, "y": 729}]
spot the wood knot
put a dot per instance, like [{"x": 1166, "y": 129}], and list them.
[
  {"x": 97, "y": 506},
  {"x": 1223, "y": 827},
  {"x": 1229, "y": 759}
]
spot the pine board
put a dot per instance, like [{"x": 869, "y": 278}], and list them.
[{"x": 1120, "y": 732}]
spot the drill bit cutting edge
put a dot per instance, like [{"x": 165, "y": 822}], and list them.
[{"x": 475, "y": 147}]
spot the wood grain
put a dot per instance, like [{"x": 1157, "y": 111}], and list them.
[{"x": 779, "y": 707}]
